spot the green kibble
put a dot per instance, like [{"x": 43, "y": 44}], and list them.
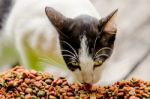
[
  {"x": 48, "y": 81},
  {"x": 145, "y": 95},
  {"x": 22, "y": 97},
  {"x": 34, "y": 91},
  {"x": 28, "y": 90},
  {"x": 77, "y": 97},
  {"x": 34, "y": 97},
  {"x": 148, "y": 88},
  {"x": 39, "y": 73},
  {"x": 18, "y": 98},
  {"x": 2, "y": 83},
  {"x": 41, "y": 93},
  {"x": 52, "y": 77},
  {"x": 20, "y": 76}
]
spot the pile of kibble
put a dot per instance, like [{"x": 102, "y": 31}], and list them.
[{"x": 19, "y": 83}]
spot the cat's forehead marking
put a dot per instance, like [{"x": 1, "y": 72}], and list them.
[{"x": 85, "y": 59}]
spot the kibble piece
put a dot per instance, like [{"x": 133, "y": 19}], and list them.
[
  {"x": 19, "y": 83},
  {"x": 34, "y": 97},
  {"x": 28, "y": 96},
  {"x": 28, "y": 90},
  {"x": 52, "y": 97},
  {"x": 48, "y": 81},
  {"x": 41, "y": 93},
  {"x": 132, "y": 97}
]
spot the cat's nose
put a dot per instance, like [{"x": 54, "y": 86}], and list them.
[{"x": 87, "y": 79}]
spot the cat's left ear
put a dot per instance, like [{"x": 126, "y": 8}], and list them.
[
  {"x": 59, "y": 21},
  {"x": 108, "y": 24}
]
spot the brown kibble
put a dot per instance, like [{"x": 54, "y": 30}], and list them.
[
  {"x": 52, "y": 93},
  {"x": 38, "y": 78},
  {"x": 111, "y": 98},
  {"x": 27, "y": 80},
  {"x": 62, "y": 90},
  {"x": 120, "y": 93},
  {"x": 28, "y": 90},
  {"x": 83, "y": 96},
  {"x": 112, "y": 88},
  {"x": 28, "y": 96},
  {"x": 132, "y": 97},
  {"x": 69, "y": 94},
  {"x": 126, "y": 97},
  {"x": 75, "y": 86},
  {"x": 138, "y": 95},
  {"x": 94, "y": 88},
  {"x": 38, "y": 84},
  {"x": 65, "y": 83},
  {"x": 31, "y": 75},
  {"x": 18, "y": 83},
  {"x": 59, "y": 82},
  {"x": 66, "y": 97},
  {"x": 100, "y": 96},
  {"x": 52, "y": 97},
  {"x": 66, "y": 88}
]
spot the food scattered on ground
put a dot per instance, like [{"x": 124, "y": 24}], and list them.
[{"x": 19, "y": 83}]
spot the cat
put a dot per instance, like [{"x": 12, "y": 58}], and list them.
[{"x": 71, "y": 30}]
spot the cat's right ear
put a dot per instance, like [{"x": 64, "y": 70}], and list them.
[
  {"x": 108, "y": 29},
  {"x": 58, "y": 20},
  {"x": 108, "y": 24}
]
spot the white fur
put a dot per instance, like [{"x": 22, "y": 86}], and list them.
[
  {"x": 28, "y": 29},
  {"x": 87, "y": 74}
]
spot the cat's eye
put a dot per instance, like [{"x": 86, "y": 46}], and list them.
[
  {"x": 73, "y": 66},
  {"x": 97, "y": 63},
  {"x": 75, "y": 63}
]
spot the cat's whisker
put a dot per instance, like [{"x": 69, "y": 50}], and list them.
[
  {"x": 50, "y": 61},
  {"x": 69, "y": 52},
  {"x": 71, "y": 47},
  {"x": 102, "y": 55},
  {"x": 105, "y": 48},
  {"x": 65, "y": 55}
]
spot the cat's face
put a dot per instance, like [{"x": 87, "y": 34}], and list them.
[{"x": 86, "y": 43}]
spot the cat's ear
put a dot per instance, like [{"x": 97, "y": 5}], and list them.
[
  {"x": 108, "y": 23},
  {"x": 108, "y": 29},
  {"x": 59, "y": 21}
]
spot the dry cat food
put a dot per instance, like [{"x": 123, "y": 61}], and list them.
[{"x": 19, "y": 83}]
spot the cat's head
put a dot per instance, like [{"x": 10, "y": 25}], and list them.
[{"x": 86, "y": 42}]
